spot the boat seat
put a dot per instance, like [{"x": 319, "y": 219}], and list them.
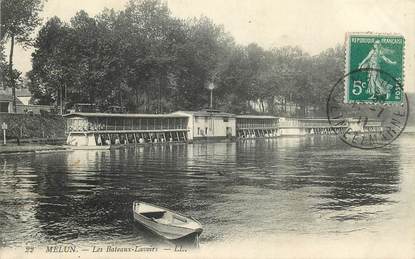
[
  {"x": 154, "y": 215},
  {"x": 171, "y": 219},
  {"x": 166, "y": 219}
]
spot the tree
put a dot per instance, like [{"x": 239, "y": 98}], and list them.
[
  {"x": 5, "y": 80},
  {"x": 3, "y": 67},
  {"x": 51, "y": 65},
  {"x": 200, "y": 60},
  {"x": 234, "y": 81},
  {"x": 18, "y": 19},
  {"x": 144, "y": 58},
  {"x": 327, "y": 67},
  {"x": 149, "y": 60}
]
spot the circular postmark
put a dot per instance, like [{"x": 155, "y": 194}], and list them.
[{"x": 367, "y": 125}]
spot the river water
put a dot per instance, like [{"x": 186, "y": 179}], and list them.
[{"x": 308, "y": 186}]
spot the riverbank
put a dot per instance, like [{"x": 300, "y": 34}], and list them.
[
  {"x": 30, "y": 148},
  {"x": 27, "y": 126}
]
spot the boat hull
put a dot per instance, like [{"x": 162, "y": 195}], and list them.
[{"x": 170, "y": 232}]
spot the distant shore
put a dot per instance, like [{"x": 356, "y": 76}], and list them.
[
  {"x": 29, "y": 148},
  {"x": 409, "y": 129},
  {"x": 13, "y": 148}
]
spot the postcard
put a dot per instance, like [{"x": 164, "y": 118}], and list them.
[{"x": 207, "y": 129}]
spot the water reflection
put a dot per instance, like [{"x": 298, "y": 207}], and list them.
[{"x": 299, "y": 185}]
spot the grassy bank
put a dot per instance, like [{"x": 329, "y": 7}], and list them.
[{"x": 25, "y": 126}]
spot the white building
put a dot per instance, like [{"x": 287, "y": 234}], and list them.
[
  {"x": 24, "y": 95},
  {"x": 291, "y": 127},
  {"x": 209, "y": 124}
]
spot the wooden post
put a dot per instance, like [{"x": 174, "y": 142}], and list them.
[
  {"x": 4, "y": 128},
  {"x": 11, "y": 74}
]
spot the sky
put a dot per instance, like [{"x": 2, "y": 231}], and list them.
[{"x": 313, "y": 25}]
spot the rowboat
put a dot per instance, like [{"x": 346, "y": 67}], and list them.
[{"x": 166, "y": 223}]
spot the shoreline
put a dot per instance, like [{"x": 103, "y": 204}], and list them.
[
  {"x": 30, "y": 148},
  {"x": 46, "y": 148}
]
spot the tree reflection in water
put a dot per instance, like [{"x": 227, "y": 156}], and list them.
[{"x": 301, "y": 185}]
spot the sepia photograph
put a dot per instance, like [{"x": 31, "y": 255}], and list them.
[{"x": 207, "y": 129}]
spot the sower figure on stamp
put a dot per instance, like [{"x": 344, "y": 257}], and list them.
[{"x": 376, "y": 85}]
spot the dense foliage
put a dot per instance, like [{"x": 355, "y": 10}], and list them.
[
  {"x": 18, "y": 19},
  {"x": 149, "y": 61}
]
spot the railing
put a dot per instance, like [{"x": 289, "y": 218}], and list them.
[
  {"x": 79, "y": 125},
  {"x": 304, "y": 123},
  {"x": 256, "y": 126}
]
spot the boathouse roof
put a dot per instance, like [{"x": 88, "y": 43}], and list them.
[
  {"x": 206, "y": 113},
  {"x": 123, "y": 115},
  {"x": 247, "y": 116}
]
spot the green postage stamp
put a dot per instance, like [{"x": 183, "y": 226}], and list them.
[{"x": 374, "y": 64}]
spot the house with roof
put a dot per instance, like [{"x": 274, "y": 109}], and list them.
[
  {"x": 23, "y": 97},
  {"x": 6, "y": 102},
  {"x": 209, "y": 124}
]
